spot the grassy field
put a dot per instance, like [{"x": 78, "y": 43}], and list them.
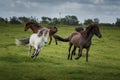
[{"x": 52, "y": 63}]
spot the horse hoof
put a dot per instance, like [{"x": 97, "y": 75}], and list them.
[
  {"x": 76, "y": 58},
  {"x": 74, "y": 53},
  {"x": 32, "y": 56}
]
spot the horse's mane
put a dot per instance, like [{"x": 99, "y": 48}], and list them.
[
  {"x": 90, "y": 27},
  {"x": 40, "y": 32}
]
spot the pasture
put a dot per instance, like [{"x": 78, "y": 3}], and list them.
[{"x": 52, "y": 63}]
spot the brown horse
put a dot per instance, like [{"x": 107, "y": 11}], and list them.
[
  {"x": 35, "y": 27},
  {"x": 83, "y": 40}
]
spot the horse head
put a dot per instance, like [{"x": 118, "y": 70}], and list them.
[
  {"x": 94, "y": 29},
  {"x": 33, "y": 26},
  {"x": 44, "y": 33},
  {"x": 27, "y": 26}
]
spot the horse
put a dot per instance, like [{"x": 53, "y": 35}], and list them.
[
  {"x": 35, "y": 27},
  {"x": 38, "y": 40},
  {"x": 83, "y": 40}
]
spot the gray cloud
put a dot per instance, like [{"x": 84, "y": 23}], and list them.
[{"x": 105, "y": 10}]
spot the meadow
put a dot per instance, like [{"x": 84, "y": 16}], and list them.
[{"x": 52, "y": 63}]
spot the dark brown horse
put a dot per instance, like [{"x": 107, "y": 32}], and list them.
[
  {"x": 35, "y": 27},
  {"x": 83, "y": 40}
]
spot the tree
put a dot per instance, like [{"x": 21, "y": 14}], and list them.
[
  {"x": 88, "y": 21},
  {"x": 96, "y": 20},
  {"x": 14, "y": 20},
  {"x": 24, "y": 19},
  {"x": 44, "y": 19},
  {"x": 55, "y": 21},
  {"x": 118, "y": 22},
  {"x": 2, "y": 19},
  {"x": 71, "y": 20},
  {"x": 34, "y": 19},
  {"x": 6, "y": 20},
  {"x": 63, "y": 21}
]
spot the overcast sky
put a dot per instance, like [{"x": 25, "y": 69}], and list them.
[{"x": 106, "y": 10}]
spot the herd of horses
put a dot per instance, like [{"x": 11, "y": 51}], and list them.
[{"x": 81, "y": 38}]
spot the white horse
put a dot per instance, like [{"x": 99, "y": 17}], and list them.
[{"x": 38, "y": 40}]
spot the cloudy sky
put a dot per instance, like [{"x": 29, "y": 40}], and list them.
[{"x": 106, "y": 10}]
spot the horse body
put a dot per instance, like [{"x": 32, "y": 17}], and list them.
[
  {"x": 38, "y": 40},
  {"x": 75, "y": 39},
  {"x": 83, "y": 40}
]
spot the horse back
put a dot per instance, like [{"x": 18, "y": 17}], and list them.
[{"x": 76, "y": 39}]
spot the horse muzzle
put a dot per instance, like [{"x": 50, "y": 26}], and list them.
[
  {"x": 45, "y": 42},
  {"x": 100, "y": 36}
]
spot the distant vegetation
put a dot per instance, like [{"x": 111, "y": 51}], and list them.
[{"x": 67, "y": 20}]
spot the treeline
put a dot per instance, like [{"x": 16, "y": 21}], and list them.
[
  {"x": 67, "y": 20},
  {"x": 18, "y": 20}
]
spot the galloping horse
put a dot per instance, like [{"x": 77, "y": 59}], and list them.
[
  {"x": 83, "y": 40},
  {"x": 35, "y": 27},
  {"x": 38, "y": 40}
]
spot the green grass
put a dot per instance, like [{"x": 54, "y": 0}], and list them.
[{"x": 52, "y": 63}]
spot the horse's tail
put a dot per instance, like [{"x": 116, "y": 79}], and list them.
[
  {"x": 22, "y": 42},
  {"x": 60, "y": 38}
]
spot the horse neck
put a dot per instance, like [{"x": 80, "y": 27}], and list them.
[{"x": 89, "y": 35}]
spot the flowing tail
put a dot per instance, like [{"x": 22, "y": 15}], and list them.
[
  {"x": 22, "y": 42},
  {"x": 60, "y": 38}
]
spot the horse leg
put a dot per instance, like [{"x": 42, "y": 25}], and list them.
[
  {"x": 34, "y": 53},
  {"x": 56, "y": 42},
  {"x": 79, "y": 54},
  {"x": 38, "y": 51},
  {"x": 50, "y": 39},
  {"x": 87, "y": 50},
  {"x": 69, "y": 50},
  {"x": 73, "y": 51}
]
